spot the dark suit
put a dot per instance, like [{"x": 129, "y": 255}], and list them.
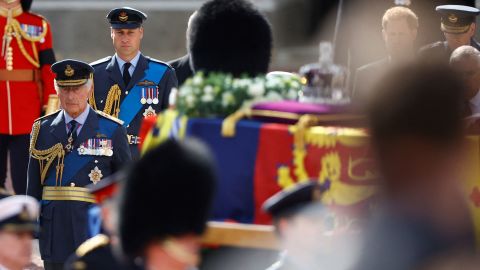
[
  {"x": 366, "y": 77},
  {"x": 64, "y": 219},
  {"x": 182, "y": 67},
  {"x": 107, "y": 73},
  {"x": 440, "y": 52}
]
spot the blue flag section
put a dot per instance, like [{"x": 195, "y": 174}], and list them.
[{"x": 234, "y": 197}]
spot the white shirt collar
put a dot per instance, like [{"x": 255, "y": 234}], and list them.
[
  {"x": 80, "y": 119},
  {"x": 475, "y": 103},
  {"x": 121, "y": 62}
]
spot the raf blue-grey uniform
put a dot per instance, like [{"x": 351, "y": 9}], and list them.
[
  {"x": 99, "y": 149},
  {"x": 455, "y": 19},
  {"x": 146, "y": 73}
]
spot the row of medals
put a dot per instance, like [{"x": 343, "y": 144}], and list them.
[
  {"x": 96, "y": 147},
  {"x": 149, "y": 95}
]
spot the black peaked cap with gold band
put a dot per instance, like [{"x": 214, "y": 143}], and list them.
[
  {"x": 18, "y": 213},
  {"x": 294, "y": 198},
  {"x": 456, "y": 19},
  {"x": 71, "y": 72},
  {"x": 126, "y": 18}
]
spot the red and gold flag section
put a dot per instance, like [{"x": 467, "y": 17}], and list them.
[{"x": 336, "y": 157}]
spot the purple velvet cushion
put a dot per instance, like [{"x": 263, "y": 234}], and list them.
[
  {"x": 300, "y": 108},
  {"x": 290, "y": 111}
]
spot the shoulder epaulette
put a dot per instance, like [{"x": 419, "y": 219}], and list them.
[
  {"x": 108, "y": 116},
  {"x": 158, "y": 61},
  {"x": 37, "y": 15},
  {"x": 47, "y": 115},
  {"x": 91, "y": 244},
  {"x": 432, "y": 45},
  {"x": 101, "y": 61},
  {"x": 370, "y": 65}
]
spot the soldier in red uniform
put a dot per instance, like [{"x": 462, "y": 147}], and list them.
[{"x": 25, "y": 83}]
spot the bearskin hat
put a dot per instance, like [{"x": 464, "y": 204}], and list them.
[
  {"x": 167, "y": 193},
  {"x": 230, "y": 36}
]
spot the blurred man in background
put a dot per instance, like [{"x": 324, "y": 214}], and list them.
[
  {"x": 18, "y": 215},
  {"x": 417, "y": 135},
  {"x": 25, "y": 84},
  {"x": 399, "y": 31},
  {"x": 458, "y": 26},
  {"x": 183, "y": 67},
  {"x": 465, "y": 60}
]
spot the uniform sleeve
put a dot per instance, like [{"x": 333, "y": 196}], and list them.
[
  {"x": 34, "y": 187},
  {"x": 121, "y": 149},
  {"x": 47, "y": 58},
  {"x": 168, "y": 82}
]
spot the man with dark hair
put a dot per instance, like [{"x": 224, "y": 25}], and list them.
[
  {"x": 230, "y": 36},
  {"x": 417, "y": 135},
  {"x": 165, "y": 205}
]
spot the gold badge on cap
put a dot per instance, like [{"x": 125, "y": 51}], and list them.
[
  {"x": 69, "y": 71},
  {"x": 95, "y": 175},
  {"x": 123, "y": 16},
  {"x": 452, "y": 18}
]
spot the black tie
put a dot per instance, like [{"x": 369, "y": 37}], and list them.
[
  {"x": 72, "y": 131},
  {"x": 126, "y": 74}
]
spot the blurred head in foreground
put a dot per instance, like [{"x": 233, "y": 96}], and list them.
[
  {"x": 165, "y": 204},
  {"x": 417, "y": 134},
  {"x": 399, "y": 29},
  {"x": 416, "y": 128},
  {"x": 18, "y": 215}
]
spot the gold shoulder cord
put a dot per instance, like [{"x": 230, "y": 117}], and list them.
[
  {"x": 91, "y": 100},
  {"x": 47, "y": 155},
  {"x": 112, "y": 105},
  {"x": 13, "y": 28}
]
